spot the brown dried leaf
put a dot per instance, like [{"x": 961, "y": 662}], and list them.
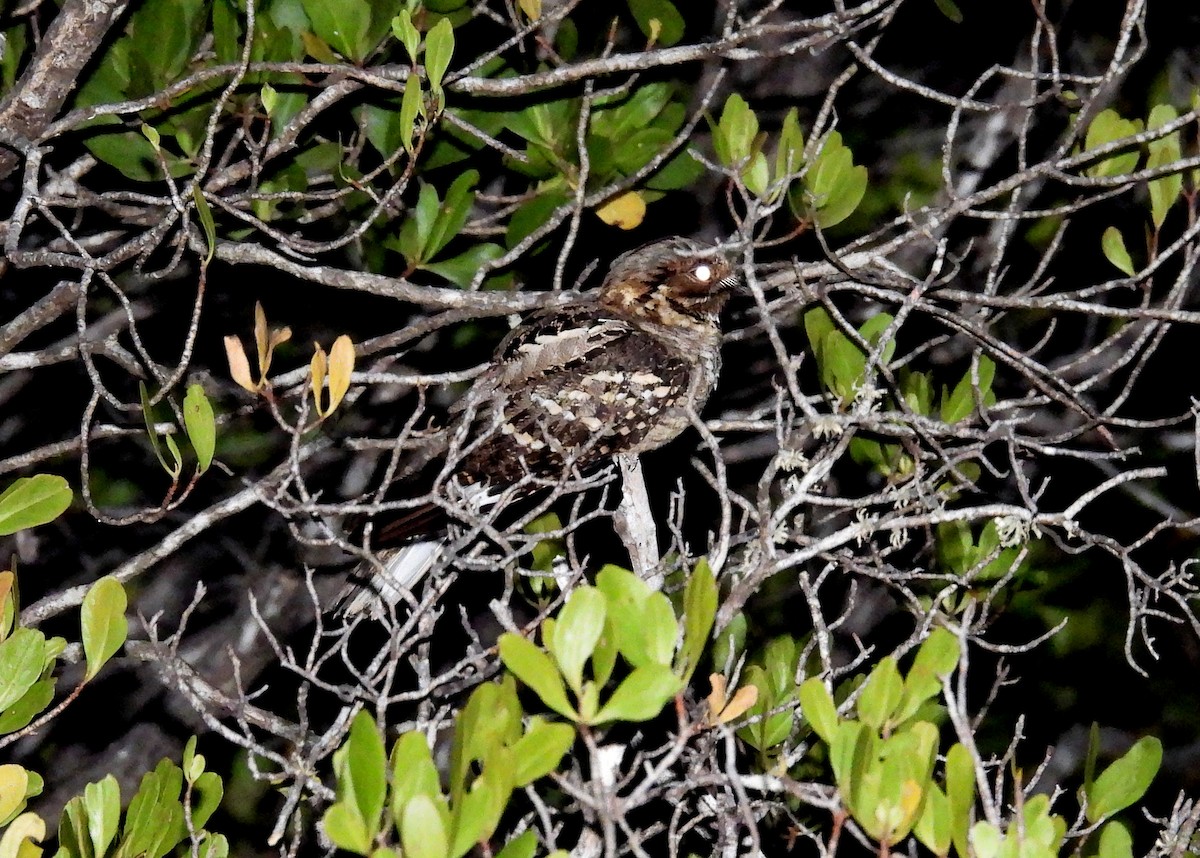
[
  {"x": 341, "y": 365},
  {"x": 742, "y": 700},
  {"x": 239, "y": 366},
  {"x": 317, "y": 368}
]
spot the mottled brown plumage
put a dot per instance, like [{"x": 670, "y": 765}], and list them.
[
  {"x": 572, "y": 387},
  {"x": 584, "y": 383}
]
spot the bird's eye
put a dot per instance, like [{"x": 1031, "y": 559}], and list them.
[{"x": 702, "y": 273}]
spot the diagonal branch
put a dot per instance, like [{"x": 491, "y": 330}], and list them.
[{"x": 75, "y": 34}]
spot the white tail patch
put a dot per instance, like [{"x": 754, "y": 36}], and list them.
[{"x": 402, "y": 572}]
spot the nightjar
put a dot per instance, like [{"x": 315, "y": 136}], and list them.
[{"x": 570, "y": 388}]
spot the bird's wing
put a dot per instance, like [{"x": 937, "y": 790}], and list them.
[{"x": 570, "y": 387}]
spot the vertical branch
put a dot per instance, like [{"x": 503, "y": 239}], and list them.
[{"x": 634, "y": 522}]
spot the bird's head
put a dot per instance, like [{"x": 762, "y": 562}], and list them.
[{"x": 675, "y": 281}]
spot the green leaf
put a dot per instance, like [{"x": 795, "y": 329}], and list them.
[
  {"x": 873, "y": 329},
  {"x": 204, "y": 213},
  {"x": 604, "y": 656},
  {"x": 1163, "y": 152},
  {"x": 960, "y": 792},
  {"x": 936, "y": 659},
  {"x": 102, "y": 618},
  {"x": 818, "y": 325},
  {"x": 844, "y": 198},
  {"x": 770, "y": 729},
  {"x": 33, "y": 501},
  {"x": 917, "y": 390},
  {"x": 413, "y": 772},
  {"x": 192, "y": 763},
  {"x": 1126, "y": 780},
  {"x": 1107, "y": 127},
  {"x": 985, "y": 840},
  {"x": 200, "y": 425},
  {"x": 699, "y": 611},
  {"x": 148, "y": 416},
  {"x": 452, "y": 214},
  {"x": 410, "y": 106},
  {"x": 213, "y": 846},
  {"x": 211, "y": 790},
  {"x": 789, "y": 156},
  {"x": 73, "y": 836},
  {"x": 681, "y": 171},
  {"x": 881, "y": 693},
  {"x": 836, "y": 184},
  {"x": 576, "y": 633},
  {"x": 933, "y": 826},
  {"x": 524, "y": 845},
  {"x": 344, "y": 24},
  {"x": 461, "y": 270},
  {"x": 31, "y": 704},
  {"x": 780, "y": 658},
  {"x": 423, "y": 831},
  {"x": 847, "y": 756},
  {"x": 950, "y": 9},
  {"x": 176, "y": 457},
  {"x": 757, "y": 175},
  {"x": 818, "y": 708},
  {"x": 1115, "y": 841},
  {"x": 738, "y": 127},
  {"x": 490, "y": 721},
  {"x": 362, "y": 771},
  {"x": 345, "y": 828},
  {"x": 670, "y": 24},
  {"x": 424, "y": 217},
  {"x": 102, "y": 806},
  {"x": 439, "y": 47},
  {"x": 154, "y": 822},
  {"x": 729, "y": 643},
  {"x": 619, "y": 121},
  {"x": 540, "y": 750},
  {"x": 533, "y": 214},
  {"x": 151, "y": 134},
  {"x": 627, "y": 598},
  {"x": 641, "y": 696},
  {"x": 939, "y": 653},
  {"x": 478, "y": 813},
  {"x": 269, "y": 98},
  {"x": 537, "y": 670},
  {"x": 961, "y": 402},
  {"x": 660, "y": 630},
  {"x": 402, "y": 27},
  {"x": 1113, "y": 245}
]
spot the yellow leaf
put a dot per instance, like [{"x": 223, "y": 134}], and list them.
[
  {"x": 531, "y": 8},
  {"x": 239, "y": 366},
  {"x": 625, "y": 211},
  {"x": 655, "y": 29},
  {"x": 341, "y": 365},
  {"x": 14, "y": 780},
  {"x": 27, "y": 826},
  {"x": 316, "y": 369}
]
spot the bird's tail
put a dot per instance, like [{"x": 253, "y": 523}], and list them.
[{"x": 403, "y": 569}]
